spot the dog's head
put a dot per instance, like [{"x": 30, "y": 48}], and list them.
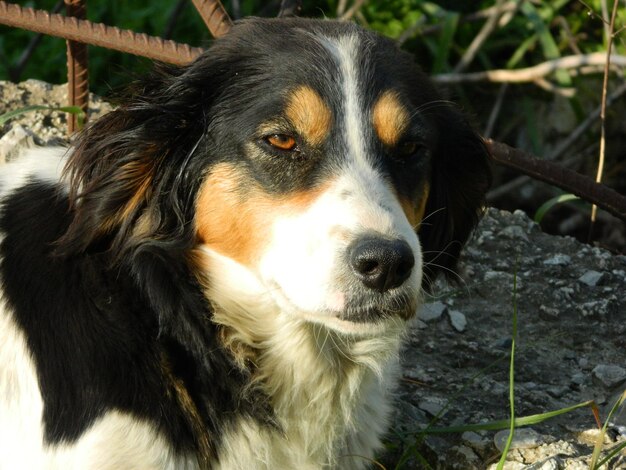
[{"x": 308, "y": 162}]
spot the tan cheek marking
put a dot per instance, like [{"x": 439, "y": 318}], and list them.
[
  {"x": 389, "y": 118},
  {"x": 415, "y": 212},
  {"x": 240, "y": 227},
  {"x": 308, "y": 113}
]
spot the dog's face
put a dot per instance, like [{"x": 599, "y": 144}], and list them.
[
  {"x": 312, "y": 155},
  {"x": 323, "y": 181}
]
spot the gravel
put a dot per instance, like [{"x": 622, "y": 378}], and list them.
[{"x": 570, "y": 348}]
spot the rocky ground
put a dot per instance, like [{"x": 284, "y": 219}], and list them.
[{"x": 570, "y": 346}]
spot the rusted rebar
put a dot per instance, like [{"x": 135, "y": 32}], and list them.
[
  {"x": 214, "y": 15},
  {"x": 97, "y": 34},
  {"x": 77, "y": 71},
  {"x": 559, "y": 176}
]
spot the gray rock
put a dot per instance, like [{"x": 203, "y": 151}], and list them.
[
  {"x": 418, "y": 374},
  {"x": 477, "y": 442},
  {"x": 558, "y": 260},
  {"x": 596, "y": 308},
  {"x": 463, "y": 455},
  {"x": 609, "y": 375},
  {"x": 432, "y": 311},
  {"x": 432, "y": 405},
  {"x": 524, "y": 438},
  {"x": 494, "y": 275},
  {"x": 13, "y": 141},
  {"x": 564, "y": 294},
  {"x": 551, "y": 463},
  {"x": 549, "y": 313},
  {"x": 509, "y": 466},
  {"x": 514, "y": 232},
  {"x": 591, "y": 278},
  {"x": 620, "y": 273},
  {"x": 558, "y": 391},
  {"x": 503, "y": 343},
  {"x": 457, "y": 320}
]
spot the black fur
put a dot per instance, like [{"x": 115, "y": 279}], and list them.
[{"x": 97, "y": 339}]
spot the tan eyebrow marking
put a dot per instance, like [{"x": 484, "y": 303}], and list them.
[
  {"x": 309, "y": 114},
  {"x": 389, "y": 117}
]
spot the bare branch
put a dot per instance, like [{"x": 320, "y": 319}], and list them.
[
  {"x": 567, "y": 92},
  {"x": 341, "y": 7},
  {"x": 533, "y": 73},
  {"x": 353, "y": 10},
  {"x": 508, "y": 8},
  {"x": 489, "y": 27},
  {"x": 562, "y": 147},
  {"x": 605, "y": 86},
  {"x": 495, "y": 111},
  {"x": 564, "y": 178}
]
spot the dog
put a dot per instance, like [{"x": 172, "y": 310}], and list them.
[{"x": 219, "y": 273}]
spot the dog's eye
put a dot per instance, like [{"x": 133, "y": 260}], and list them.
[
  {"x": 408, "y": 148},
  {"x": 282, "y": 142}
]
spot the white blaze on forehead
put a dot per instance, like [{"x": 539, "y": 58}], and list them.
[{"x": 345, "y": 51}]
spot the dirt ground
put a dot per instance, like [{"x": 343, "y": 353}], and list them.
[{"x": 570, "y": 346}]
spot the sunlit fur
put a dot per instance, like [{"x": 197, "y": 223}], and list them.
[{"x": 183, "y": 295}]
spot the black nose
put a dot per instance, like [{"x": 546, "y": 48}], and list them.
[{"x": 381, "y": 264}]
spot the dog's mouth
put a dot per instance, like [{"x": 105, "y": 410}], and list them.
[
  {"x": 359, "y": 315},
  {"x": 402, "y": 305}
]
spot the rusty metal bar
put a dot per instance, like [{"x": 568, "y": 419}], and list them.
[
  {"x": 214, "y": 15},
  {"x": 77, "y": 71},
  {"x": 564, "y": 178},
  {"x": 97, "y": 34}
]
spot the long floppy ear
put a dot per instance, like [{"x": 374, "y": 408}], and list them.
[
  {"x": 118, "y": 164},
  {"x": 459, "y": 181}
]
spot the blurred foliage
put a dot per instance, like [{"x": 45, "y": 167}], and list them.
[{"x": 436, "y": 31}]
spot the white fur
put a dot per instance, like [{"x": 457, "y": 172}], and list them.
[
  {"x": 331, "y": 392},
  {"x": 39, "y": 164},
  {"x": 115, "y": 441},
  {"x": 303, "y": 265},
  {"x": 345, "y": 52}
]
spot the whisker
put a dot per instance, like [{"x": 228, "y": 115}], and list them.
[{"x": 432, "y": 105}]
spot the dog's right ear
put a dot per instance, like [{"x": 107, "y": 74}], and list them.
[
  {"x": 121, "y": 163},
  {"x": 459, "y": 180}
]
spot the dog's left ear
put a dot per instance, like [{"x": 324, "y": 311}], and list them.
[{"x": 459, "y": 181}]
